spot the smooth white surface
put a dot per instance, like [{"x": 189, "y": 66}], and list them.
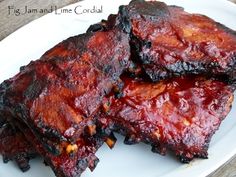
[{"x": 31, "y": 41}]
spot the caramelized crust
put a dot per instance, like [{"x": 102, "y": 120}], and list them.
[
  {"x": 55, "y": 98},
  {"x": 170, "y": 42},
  {"x": 58, "y": 95},
  {"x": 180, "y": 114}
]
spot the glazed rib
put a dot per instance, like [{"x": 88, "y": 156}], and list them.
[
  {"x": 57, "y": 96},
  {"x": 13, "y": 146},
  {"x": 180, "y": 114},
  {"x": 168, "y": 41},
  {"x": 68, "y": 164}
]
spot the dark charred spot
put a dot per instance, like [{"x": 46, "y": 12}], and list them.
[
  {"x": 22, "y": 162},
  {"x": 124, "y": 62},
  {"x": 118, "y": 89},
  {"x": 104, "y": 132},
  {"x": 21, "y": 111},
  {"x": 130, "y": 140},
  {"x": 82, "y": 163},
  {"x": 93, "y": 165},
  {"x": 184, "y": 159},
  {"x": 107, "y": 69},
  {"x": 34, "y": 89},
  {"x": 22, "y": 68},
  {"x": 146, "y": 59},
  {"x": 96, "y": 27},
  {"x": 115, "y": 76},
  {"x": 52, "y": 149},
  {"x": 5, "y": 159},
  {"x": 125, "y": 22},
  {"x": 118, "y": 95},
  {"x": 152, "y": 10},
  {"x": 159, "y": 149},
  {"x": 147, "y": 44}
]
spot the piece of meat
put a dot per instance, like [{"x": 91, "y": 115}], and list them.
[
  {"x": 58, "y": 95},
  {"x": 168, "y": 41},
  {"x": 13, "y": 146},
  {"x": 74, "y": 159},
  {"x": 179, "y": 114}
]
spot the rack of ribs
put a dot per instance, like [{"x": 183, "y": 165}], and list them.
[
  {"x": 19, "y": 144},
  {"x": 179, "y": 114},
  {"x": 169, "y": 42},
  {"x": 57, "y": 96},
  {"x": 13, "y": 146}
]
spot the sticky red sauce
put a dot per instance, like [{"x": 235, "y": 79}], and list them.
[{"x": 181, "y": 114}]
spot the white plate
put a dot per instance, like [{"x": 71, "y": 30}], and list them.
[{"x": 31, "y": 41}]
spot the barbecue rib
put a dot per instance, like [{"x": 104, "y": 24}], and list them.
[
  {"x": 139, "y": 114},
  {"x": 171, "y": 42},
  {"x": 180, "y": 114},
  {"x": 74, "y": 160},
  {"x": 13, "y": 146},
  {"x": 58, "y": 95}
]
